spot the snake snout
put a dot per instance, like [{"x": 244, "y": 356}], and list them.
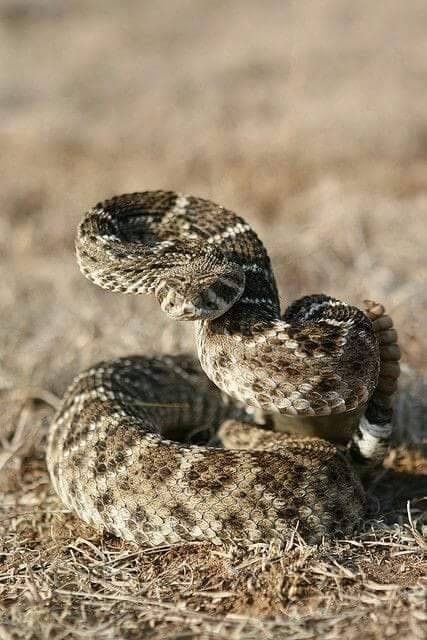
[
  {"x": 189, "y": 305},
  {"x": 175, "y": 305}
]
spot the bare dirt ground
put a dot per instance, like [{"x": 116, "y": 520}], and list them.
[{"x": 310, "y": 119}]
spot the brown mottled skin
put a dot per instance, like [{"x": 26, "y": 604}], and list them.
[{"x": 108, "y": 454}]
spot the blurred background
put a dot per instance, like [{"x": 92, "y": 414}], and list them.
[{"x": 308, "y": 118}]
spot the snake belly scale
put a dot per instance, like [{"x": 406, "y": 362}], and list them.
[{"x": 110, "y": 453}]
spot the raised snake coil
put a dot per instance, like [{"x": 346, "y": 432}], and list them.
[{"x": 109, "y": 455}]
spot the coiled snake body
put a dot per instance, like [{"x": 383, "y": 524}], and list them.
[{"x": 109, "y": 455}]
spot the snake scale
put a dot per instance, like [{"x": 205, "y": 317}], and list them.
[{"x": 113, "y": 455}]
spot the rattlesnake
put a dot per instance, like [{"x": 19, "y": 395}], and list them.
[{"x": 110, "y": 453}]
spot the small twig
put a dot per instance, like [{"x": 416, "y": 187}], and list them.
[{"x": 33, "y": 393}]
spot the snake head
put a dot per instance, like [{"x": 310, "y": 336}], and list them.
[{"x": 197, "y": 297}]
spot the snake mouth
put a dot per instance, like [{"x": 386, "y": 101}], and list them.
[
  {"x": 206, "y": 305},
  {"x": 177, "y": 307}
]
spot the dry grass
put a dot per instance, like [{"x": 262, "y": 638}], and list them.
[{"x": 310, "y": 119}]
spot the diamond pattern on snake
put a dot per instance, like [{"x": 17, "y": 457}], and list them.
[{"x": 111, "y": 455}]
